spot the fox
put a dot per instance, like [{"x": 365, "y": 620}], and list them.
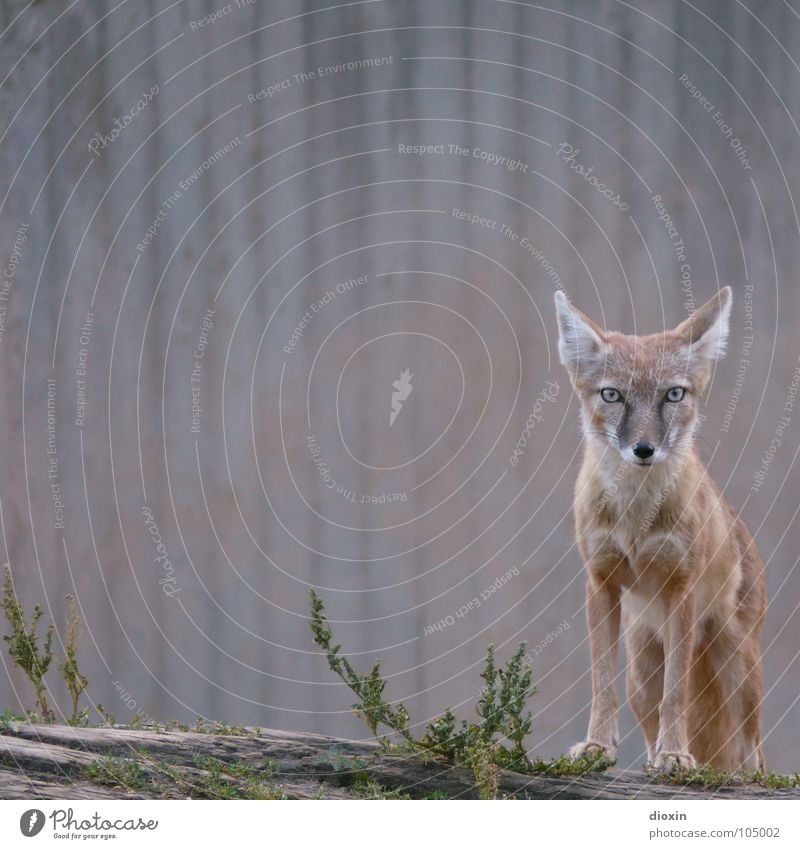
[{"x": 668, "y": 561}]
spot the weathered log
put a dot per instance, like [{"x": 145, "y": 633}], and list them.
[{"x": 62, "y": 762}]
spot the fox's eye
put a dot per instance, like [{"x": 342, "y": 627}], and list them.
[
  {"x": 676, "y": 394},
  {"x": 610, "y": 396}
]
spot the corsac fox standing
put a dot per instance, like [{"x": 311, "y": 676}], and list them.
[{"x": 666, "y": 556}]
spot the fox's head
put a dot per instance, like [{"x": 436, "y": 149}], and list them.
[{"x": 639, "y": 394}]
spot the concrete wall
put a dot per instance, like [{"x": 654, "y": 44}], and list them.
[{"x": 314, "y": 190}]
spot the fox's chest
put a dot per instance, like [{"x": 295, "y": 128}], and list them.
[
  {"x": 649, "y": 558},
  {"x": 638, "y": 513},
  {"x": 647, "y": 567}
]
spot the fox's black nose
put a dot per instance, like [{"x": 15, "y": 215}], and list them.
[{"x": 644, "y": 450}]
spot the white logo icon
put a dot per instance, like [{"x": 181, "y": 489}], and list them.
[{"x": 402, "y": 389}]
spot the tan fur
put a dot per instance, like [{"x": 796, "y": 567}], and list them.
[{"x": 667, "y": 558}]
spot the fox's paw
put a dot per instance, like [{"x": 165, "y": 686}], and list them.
[
  {"x": 591, "y": 749},
  {"x": 669, "y": 762}
]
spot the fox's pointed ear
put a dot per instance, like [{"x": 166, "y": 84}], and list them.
[
  {"x": 580, "y": 340},
  {"x": 706, "y": 330}
]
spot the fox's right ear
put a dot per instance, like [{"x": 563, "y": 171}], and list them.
[{"x": 580, "y": 340}]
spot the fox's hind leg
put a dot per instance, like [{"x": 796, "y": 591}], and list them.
[
  {"x": 716, "y": 677},
  {"x": 645, "y": 680},
  {"x": 752, "y": 688}
]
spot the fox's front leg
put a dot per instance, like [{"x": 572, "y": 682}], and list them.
[
  {"x": 603, "y": 615},
  {"x": 672, "y": 748}
]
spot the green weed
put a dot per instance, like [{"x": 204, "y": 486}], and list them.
[
  {"x": 502, "y": 712},
  {"x": 76, "y": 681},
  {"x": 711, "y": 778},
  {"x": 367, "y": 788},
  {"x": 23, "y": 643},
  {"x": 565, "y": 766},
  {"x": 209, "y": 778}
]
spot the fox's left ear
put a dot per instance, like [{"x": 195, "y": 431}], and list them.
[{"x": 706, "y": 331}]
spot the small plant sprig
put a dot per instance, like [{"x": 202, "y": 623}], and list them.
[
  {"x": 76, "y": 681},
  {"x": 503, "y": 700},
  {"x": 106, "y": 715},
  {"x": 501, "y": 708},
  {"x": 368, "y": 688},
  {"x": 23, "y": 643},
  {"x": 565, "y": 766},
  {"x": 23, "y": 646}
]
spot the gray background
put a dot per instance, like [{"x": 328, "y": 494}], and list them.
[{"x": 320, "y": 193}]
